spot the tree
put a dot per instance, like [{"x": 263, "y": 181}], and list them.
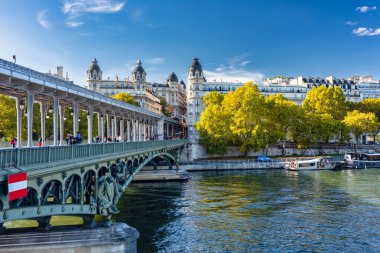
[
  {"x": 127, "y": 98},
  {"x": 214, "y": 125},
  {"x": 246, "y": 109},
  {"x": 324, "y": 100},
  {"x": 282, "y": 117},
  {"x": 370, "y": 105},
  {"x": 360, "y": 123},
  {"x": 8, "y": 124},
  {"x": 164, "y": 106}
]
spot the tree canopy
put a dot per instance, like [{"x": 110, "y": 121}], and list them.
[
  {"x": 248, "y": 119},
  {"x": 361, "y": 122},
  {"x": 323, "y": 100},
  {"x": 125, "y": 97}
]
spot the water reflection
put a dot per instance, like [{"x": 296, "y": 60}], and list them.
[{"x": 262, "y": 211}]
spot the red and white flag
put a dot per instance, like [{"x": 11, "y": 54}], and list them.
[{"x": 17, "y": 186}]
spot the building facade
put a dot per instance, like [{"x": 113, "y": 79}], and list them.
[
  {"x": 59, "y": 74},
  {"x": 147, "y": 94},
  {"x": 295, "y": 89},
  {"x": 355, "y": 89},
  {"x": 174, "y": 93}
]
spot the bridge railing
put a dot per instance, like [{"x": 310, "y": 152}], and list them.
[{"x": 38, "y": 155}]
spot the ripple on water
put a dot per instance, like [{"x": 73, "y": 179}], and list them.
[{"x": 265, "y": 211}]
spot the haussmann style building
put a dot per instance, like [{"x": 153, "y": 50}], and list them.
[
  {"x": 147, "y": 94},
  {"x": 356, "y": 89}
]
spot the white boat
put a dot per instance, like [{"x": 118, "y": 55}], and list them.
[{"x": 313, "y": 164}]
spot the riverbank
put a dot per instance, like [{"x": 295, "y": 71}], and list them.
[
  {"x": 160, "y": 175},
  {"x": 196, "y": 151}
]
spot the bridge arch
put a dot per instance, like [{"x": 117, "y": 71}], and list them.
[
  {"x": 170, "y": 159},
  {"x": 51, "y": 193},
  {"x": 135, "y": 163},
  {"x": 89, "y": 187},
  {"x": 73, "y": 194},
  {"x": 30, "y": 200}
]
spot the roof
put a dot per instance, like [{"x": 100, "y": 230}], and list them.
[
  {"x": 139, "y": 68},
  {"x": 173, "y": 78},
  {"x": 94, "y": 66},
  {"x": 195, "y": 65}
]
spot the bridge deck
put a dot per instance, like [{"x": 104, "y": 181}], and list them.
[{"x": 42, "y": 157}]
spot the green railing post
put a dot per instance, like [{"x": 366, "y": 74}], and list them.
[{"x": 18, "y": 158}]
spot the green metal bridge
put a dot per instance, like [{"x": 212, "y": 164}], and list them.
[{"x": 80, "y": 180}]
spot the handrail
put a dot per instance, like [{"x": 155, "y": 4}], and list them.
[
  {"x": 19, "y": 157},
  {"x": 12, "y": 67}
]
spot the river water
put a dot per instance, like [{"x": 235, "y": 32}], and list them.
[{"x": 258, "y": 211}]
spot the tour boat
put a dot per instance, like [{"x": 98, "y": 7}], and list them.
[
  {"x": 362, "y": 160},
  {"x": 313, "y": 164}
]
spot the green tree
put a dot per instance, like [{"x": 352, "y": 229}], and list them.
[
  {"x": 282, "y": 117},
  {"x": 360, "y": 123},
  {"x": 8, "y": 122},
  {"x": 164, "y": 106},
  {"x": 246, "y": 109},
  {"x": 214, "y": 125},
  {"x": 127, "y": 98},
  {"x": 370, "y": 105},
  {"x": 324, "y": 100}
]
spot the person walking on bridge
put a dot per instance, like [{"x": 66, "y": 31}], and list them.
[{"x": 13, "y": 142}]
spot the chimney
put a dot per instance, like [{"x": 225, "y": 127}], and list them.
[{"x": 60, "y": 72}]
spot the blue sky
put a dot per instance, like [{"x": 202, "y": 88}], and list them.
[{"x": 235, "y": 40}]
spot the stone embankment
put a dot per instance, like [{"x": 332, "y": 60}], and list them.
[{"x": 196, "y": 151}]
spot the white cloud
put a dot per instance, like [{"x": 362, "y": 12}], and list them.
[
  {"x": 156, "y": 60},
  {"x": 77, "y": 7},
  {"x": 41, "y": 19},
  {"x": 234, "y": 71},
  {"x": 364, "y": 9},
  {"x": 363, "y": 31},
  {"x": 243, "y": 63},
  {"x": 238, "y": 75},
  {"x": 74, "y": 23},
  {"x": 351, "y": 23}
]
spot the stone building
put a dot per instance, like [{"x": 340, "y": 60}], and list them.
[
  {"x": 355, "y": 89},
  {"x": 174, "y": 93},
  {"x": 147, "y": 94},
  {"x": 138, "y": 88}
]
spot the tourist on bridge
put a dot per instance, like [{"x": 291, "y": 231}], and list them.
[
  {"x": 40, "y": 141},
  {"x": 78, "y": 138},
  {"x": 13, "y": 142}
]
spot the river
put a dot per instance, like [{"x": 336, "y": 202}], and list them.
[{"x": 257, "y": 211}]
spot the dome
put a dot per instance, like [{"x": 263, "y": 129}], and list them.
[
  {"x": 94, "y": 66},
  {"x": 139, "y": 68},
  {"x": 195, "y": 65},
  {"x": 172, "y": 78},
  {"x": 183, "y": 84}
]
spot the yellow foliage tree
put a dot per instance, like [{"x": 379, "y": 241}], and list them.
[
  {"x": 360, "y": 123},
  {"x": 127, "y": 98},
  {"x": 323, "y": 100}
]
